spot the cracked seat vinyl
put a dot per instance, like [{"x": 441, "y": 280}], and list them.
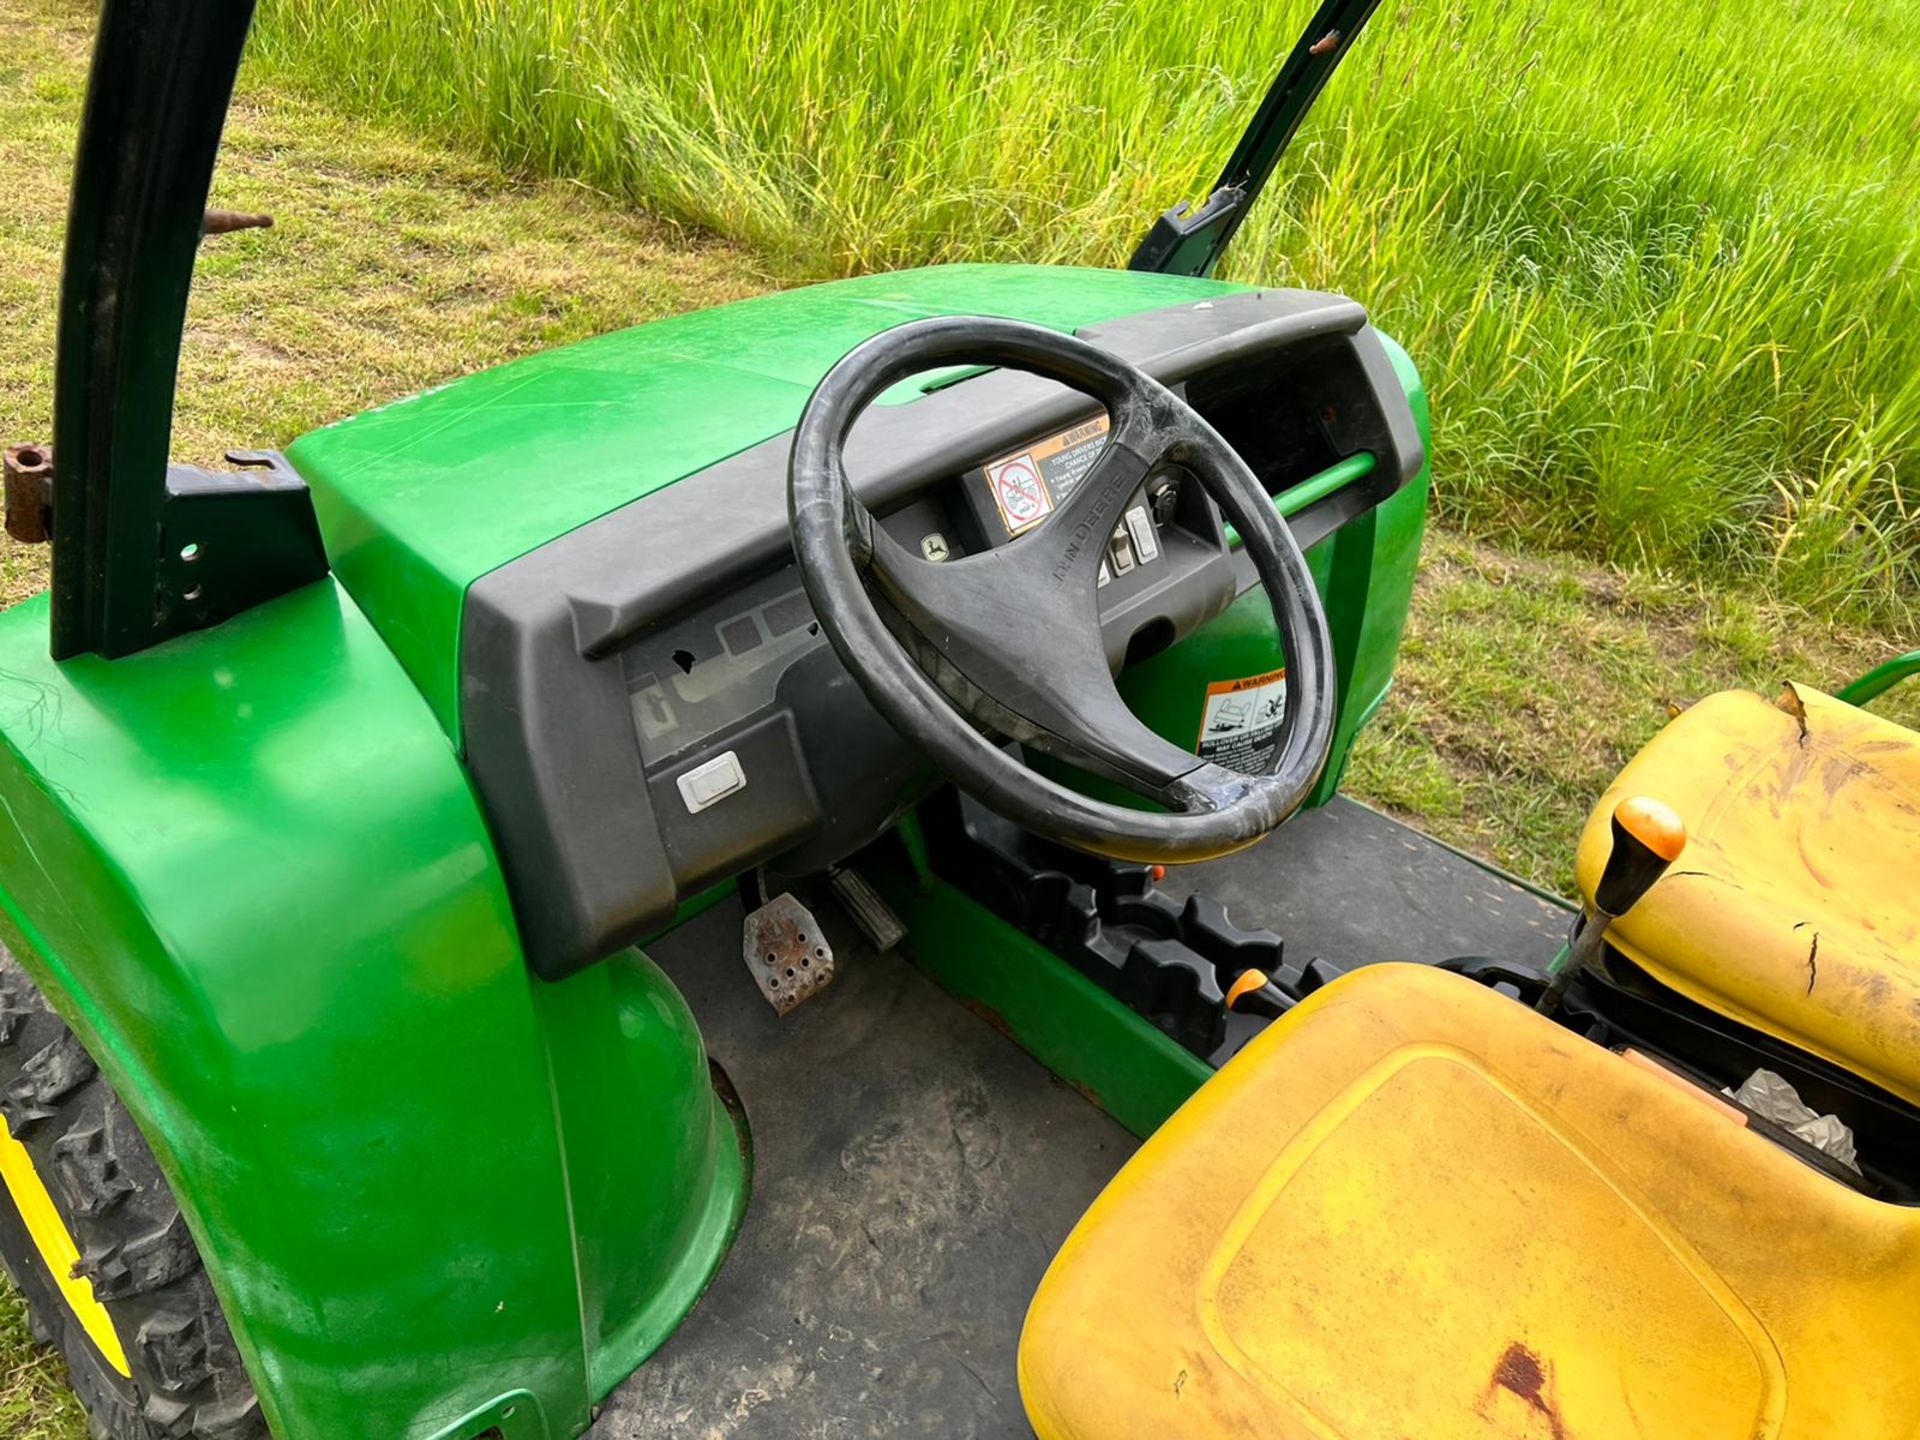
[
  {"x": 1795, "y": 907},
  {"x": 1414, "y": 1208}
]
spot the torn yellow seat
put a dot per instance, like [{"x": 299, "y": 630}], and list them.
[
  {"x": 1795, "y": 908},
  {"x": 1415, "y": 1210}
]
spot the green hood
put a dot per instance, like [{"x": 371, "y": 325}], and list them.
[{"x": 420, "y": 498}]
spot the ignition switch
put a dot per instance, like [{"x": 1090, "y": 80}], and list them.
[{"x": 1163, "y": 496}]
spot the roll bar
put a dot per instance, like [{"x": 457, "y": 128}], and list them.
[
  {"x": 143, "y": 550},
  {"x": 1184, "y": 242}
]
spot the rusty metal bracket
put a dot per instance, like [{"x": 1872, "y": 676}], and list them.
[
  {"x": 228, "y": 541},
  {"x": 29, "y": 492},
  {"x": 225, "y": 222},
  {"x": 786, "y": 952}
]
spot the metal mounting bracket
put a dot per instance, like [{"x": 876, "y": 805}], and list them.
[{"x": 230, "y": 541}]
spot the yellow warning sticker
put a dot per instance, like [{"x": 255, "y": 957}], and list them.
[{"x": 1241, "y": 720}]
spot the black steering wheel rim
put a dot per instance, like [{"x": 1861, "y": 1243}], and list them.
[{"x": 938, "y": 625}]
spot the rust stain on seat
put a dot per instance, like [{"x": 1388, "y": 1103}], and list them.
[{"x": 1521, "y": 1372}]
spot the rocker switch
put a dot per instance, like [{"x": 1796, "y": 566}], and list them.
[
  {"x": 1146, "y": 545},
  {"x": 709, "y": 784}
]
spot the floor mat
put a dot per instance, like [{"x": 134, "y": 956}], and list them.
[
  {"x": 914, "y": 1174},
  {"x": 1348, "y": 884}
]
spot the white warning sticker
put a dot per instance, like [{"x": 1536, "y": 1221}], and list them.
[
  {"x": 1019, "y": 491},
  {"x": 1241, "y": 720}
]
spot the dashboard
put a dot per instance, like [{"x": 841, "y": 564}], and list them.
[{"x": 649, "y": 707}]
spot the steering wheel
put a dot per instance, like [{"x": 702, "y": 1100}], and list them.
[{"x": 1008, "y": 640}]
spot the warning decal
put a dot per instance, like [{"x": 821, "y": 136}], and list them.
[
  {"x": 1032, "y": 482},
  {"x": 1019, "y": 491},
  {"x": 1241, "y": 720}
]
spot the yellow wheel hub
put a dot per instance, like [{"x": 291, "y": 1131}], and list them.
[{"x": 57, "y": 1248}]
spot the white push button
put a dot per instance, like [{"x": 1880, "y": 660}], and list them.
[
  {"x": 712, "y": 782},
  {"x": 1146, "y": 544}
]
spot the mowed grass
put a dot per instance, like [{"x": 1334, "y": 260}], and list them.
[
  {"x": 1659, "y": 266},
  {"x": 35, "y": 1401}
]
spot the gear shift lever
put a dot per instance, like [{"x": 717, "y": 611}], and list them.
[{"x": 1647, "y": 837}]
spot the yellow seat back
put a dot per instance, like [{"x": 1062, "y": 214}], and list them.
[{"x": 1795, "y": 908}]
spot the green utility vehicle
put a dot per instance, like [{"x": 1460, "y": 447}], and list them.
[{"x": 629, "y": 894}]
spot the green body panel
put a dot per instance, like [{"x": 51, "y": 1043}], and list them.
[
  {"x": 1119, "y": 1061},
  {"x": 247, "y": 867},
  {"x": 1365, "y": 573},
  {"x": 420, "y": 498}
]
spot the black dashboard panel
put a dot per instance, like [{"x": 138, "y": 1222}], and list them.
[{"x": 649, "y": 708}]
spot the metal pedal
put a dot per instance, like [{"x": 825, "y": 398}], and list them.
[
  {"x": 786, "y": 952},
  {"x": 874, "y": 917}
]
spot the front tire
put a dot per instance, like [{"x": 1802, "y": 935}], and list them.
[{"x": 150, "y": 1353}]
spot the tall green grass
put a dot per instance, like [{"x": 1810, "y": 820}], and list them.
[{"x": 1658, "y": 265}]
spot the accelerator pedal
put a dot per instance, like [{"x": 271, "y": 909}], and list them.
[
  {"x": 882, "y": 928},
  {"x": 786, "y": 952}
]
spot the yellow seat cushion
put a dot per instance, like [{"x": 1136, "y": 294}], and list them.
[
  {"x": 1795, "y": 907},
  {"x": 1414, "y": 1210}
]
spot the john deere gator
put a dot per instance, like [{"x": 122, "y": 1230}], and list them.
[{"x": 729, "y": 879}]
